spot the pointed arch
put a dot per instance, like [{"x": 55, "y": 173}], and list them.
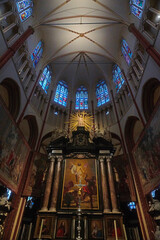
[{"x": 10, "y": 93}]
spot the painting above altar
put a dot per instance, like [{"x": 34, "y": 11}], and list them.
[{"x": 80, "y": 184}]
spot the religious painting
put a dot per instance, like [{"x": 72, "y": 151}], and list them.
[
  {"x": 37, "y": 175},
  {"x": 147, "y": 154},
  {"x": 80, "y": 185},
  {"x": 63, "y": 230},
  {"x": 14, "y": 151},
  {"x": 96, "y": 229},
  {"x": 114, "y": 228},
  {"x": 44, "y": 227}
]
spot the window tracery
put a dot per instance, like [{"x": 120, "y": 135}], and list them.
[
  {"x": 118, "y": 77},
  {"x": 45, "y": 79},
  {"x": 102, "y": 93},
  {"x": 61, "y": 93},
  {"x": 126, "y": 51},
  {"x": 37, "y": 53},
  {"x": 136, "y": 7},
  {"x": 81, "y": 98},
  {"x": 24, "y": 8}
]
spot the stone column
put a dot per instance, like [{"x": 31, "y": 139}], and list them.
[
  {"x": 105, "y": 193},
  {"x": 112, "y": 186},
  {"x": 48, "y": 185},
  {"x": 55, "y": 185}
]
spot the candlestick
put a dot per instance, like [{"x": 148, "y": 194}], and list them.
[
  {"x": 115, "y": 229},
  {"x": 40, "y": 232},
  {"x": 124, "y": 230}
]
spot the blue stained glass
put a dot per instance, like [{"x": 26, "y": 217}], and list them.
[
  {"x": 37, "y": 53},
  {"x": 25, "y": 14},
  {"x": 81, "y": 98},
  {"x": 102, "y": 94},
  {"x": 126, "y": 51},
  {"x": 45, "y": 79},
  {"x": 25, "y": 9},
  {"x": 22, "y": 5},
  {"x": 61, "y": 93},
  {"x": 136, "y": 7},
  {"x": 118, "y": 77}
]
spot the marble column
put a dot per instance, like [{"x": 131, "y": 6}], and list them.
[
  {"x": 48, "y": 185},
  {"x": 106, "y": 203},
  {"x": 112, "y": 186},
  {"x": 55, "y": 185}
]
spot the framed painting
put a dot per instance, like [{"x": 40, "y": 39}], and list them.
[
  {"x": 63, "y": 229},
  {"x": 80, "y": 183},
  {"x": 44, "y": 227},
  {"x": 14, "y": 151},
  {"x": 114, "y": 226},
  {"x": 147, "y": 154},
  {"x": 96, "y": 230}
]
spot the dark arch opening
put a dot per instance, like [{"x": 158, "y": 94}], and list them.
[
  {"x": 150, "y": 95},
  {"x": 13, "y": 95},
  {"x": 30, "y": 132}
]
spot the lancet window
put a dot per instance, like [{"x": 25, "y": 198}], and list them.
[
  {"x": 118, "y": 77},
  {"x": 81, "y": 98},
  {"x": 37, "y": 53},
  {"x": 24, "y": 8},
  {"x": 136, "y": 7},
  {"x": 102, "y": 93},
  {"x": 126, "y": 51},
  {"x": 45, "y": 79},
  {"x": 61, "y": 93}
]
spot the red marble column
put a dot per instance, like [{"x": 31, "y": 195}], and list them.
[
  {"x": 55, "y": 186},
  {"x": 105, "y": 193},
  {"x": 112, "y": 186},
  {"x": 12, "y": 50},
  {"x": 48, "y": 185},
  {"x": 145, "y": 43}
]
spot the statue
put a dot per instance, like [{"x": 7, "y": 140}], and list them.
[
  {"x": 155, "y": 206},
  {"x": 157, "y": 233}
]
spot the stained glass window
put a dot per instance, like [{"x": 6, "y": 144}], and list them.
[
  {"x": 61, "y": 93},
  {"x": 136, "y": 7},
  {"x": 37, "y": 53},
  {"x": 24, "y": 8},
  {"x": 102, "y": 93},
  {"x": 126, "y": 51},
  {"x": 45, "y": 79},
  {"x": 81, "y": 98},
  {"x": 118, "y": 77}
]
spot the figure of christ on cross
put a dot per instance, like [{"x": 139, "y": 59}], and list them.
[{"x": 80, "y": 186}]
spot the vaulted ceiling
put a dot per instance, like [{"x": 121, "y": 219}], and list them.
[{"x": 82, "y": 38}]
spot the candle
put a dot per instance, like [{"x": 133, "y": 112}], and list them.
[
  {"x": 40, "y": 232},
  {"x": 124, "y": 229},
  {"x": 115, "y": 229}
]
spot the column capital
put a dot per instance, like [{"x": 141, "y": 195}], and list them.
[
  {"x": 59, "y": 158},
  {"x": 102, "y": 158}
]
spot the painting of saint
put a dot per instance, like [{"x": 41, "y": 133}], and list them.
[
  {"x": 96, "y": 229},
  {"x": 63, "y": 228},
  {"x": 80, "y": 184}
]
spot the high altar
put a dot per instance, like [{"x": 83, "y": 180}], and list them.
[{"x": 80, "y": 200}]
